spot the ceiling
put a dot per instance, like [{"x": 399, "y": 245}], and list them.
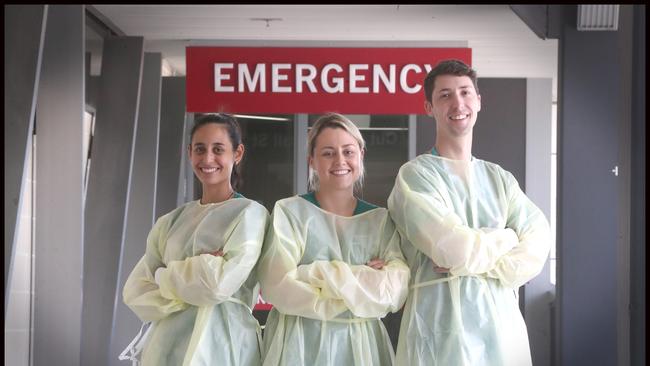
[{"x": 502, "y": 45}]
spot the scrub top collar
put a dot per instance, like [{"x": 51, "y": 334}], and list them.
[
  {"x": 434, "y": 152},
  {"x": 235, "y": 195},
  {"x": 362, "y": 206}
]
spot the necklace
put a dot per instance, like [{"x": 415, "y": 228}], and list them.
[{"x": 231, "y": 195}]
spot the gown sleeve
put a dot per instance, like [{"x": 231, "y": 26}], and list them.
[
  {"x": 141, "y": 293},
  {"x": 278, "y": 272},
  {"x": 418, "y": 208},
  {"x": 365, "y": 291},
  {"x": 527, "y": 258},
  {"x": 207, "y": 280}
]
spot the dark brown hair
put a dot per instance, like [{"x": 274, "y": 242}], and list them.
[{"x": 448, "y": 67}]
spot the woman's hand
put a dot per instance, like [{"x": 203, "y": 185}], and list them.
[
  {"x": 439, "y": 269},
  {"x": 216, "y": 253},
  {"x": 376, "y": 263}
]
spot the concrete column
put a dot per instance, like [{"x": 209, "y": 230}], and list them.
[
  {"x": 186, "y": 174},
  {"x": 141, "y": 206},
  {"x": 24, "y": 33},
  {"x": 426, "y": 133},
  {"x": 59, "y": 188},
  {"x": 170, "y": 149},
  {"x": 539, "y": 292},
  {"x": 413, "y": 137},
  {"x": 301, "y": 172},
  {"x": 638, "y": 194},
  {"x": 590, "y": 109},
  {"x": 107, "y": 192}
]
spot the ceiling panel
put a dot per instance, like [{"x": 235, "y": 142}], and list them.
[{"x": 502, "y": 45}]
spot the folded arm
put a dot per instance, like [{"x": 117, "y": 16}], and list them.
[
  {"x": 526, "y": 260},
  {"x": 206, "y": 279},
  {"x": 421, "y": 214},
  {"x": 278, "y": 273},
  {"x": 365, "y": 291},
  {"x": 141, "y": 292}
]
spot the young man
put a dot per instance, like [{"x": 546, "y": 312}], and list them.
[{"x": 473, "y": 239}]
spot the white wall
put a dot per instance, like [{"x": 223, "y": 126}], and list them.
[{"x": 18, "y": 324}]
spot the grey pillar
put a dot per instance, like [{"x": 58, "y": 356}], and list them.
[
  {"x": 637, "y": 193},
  {"x": 590, "y": 110},
  {"x": 500, "y": 130},
  {"x": 426, "y": 133},
  {"x": 413, "y": 136},
  {"x": 59, "y": 188},
  {"x": 301, "y": 171},
  {"x": 539, "y": 291},
  {"x": 625, "y": 36},
  {"x": 24, "y": 33},
  {"x": 186, "y": 176},
  {"x": 190, "y": 191},
  {"x": 170, "y": 149},
  {"x": 141, "y": 207},
  {"x": 107, "y": 192}
]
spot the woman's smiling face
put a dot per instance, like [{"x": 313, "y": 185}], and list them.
[
  {"x": 212, "y": 155},
  {"x": 336, "y": 159}
]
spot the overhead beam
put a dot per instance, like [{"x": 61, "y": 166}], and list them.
[{"x": 535, "y": 17}]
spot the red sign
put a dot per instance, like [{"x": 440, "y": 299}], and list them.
[
  {"x": 311, "y": 80},
  {"x": 261, "y": 304}
]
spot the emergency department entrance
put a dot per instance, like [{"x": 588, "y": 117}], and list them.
[
  {"x": 251, "y": 81},
  {"x": 92, "y": 212},
  {"x": 278, "y": 93}
]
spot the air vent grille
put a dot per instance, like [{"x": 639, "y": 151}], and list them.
[{"x": 598, "y": 17}]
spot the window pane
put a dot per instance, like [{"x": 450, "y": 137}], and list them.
[
  {"x": 553, "y": 254},
  {"x": 386, "y": 139},
  {"x": 553, "y": 268},
  {"x": 88, "y": 130},
  {"x": 18, "y": 317},
  {"x": 267, "y": 169}
]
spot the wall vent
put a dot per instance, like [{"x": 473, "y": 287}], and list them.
[{"x": 598, "y": 17}]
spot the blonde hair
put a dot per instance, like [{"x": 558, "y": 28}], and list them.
[{"x": 334, "y": 120}]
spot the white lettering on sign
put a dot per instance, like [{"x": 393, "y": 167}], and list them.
[
  {"x": 244, "y": 75},
  {"x": 362, "y": 78},
  {"x": 388, "y": 81},
  {"x": 402, "y": 79},
  {"x": 309, "y": 78},
  {"x": 324, "y": 76},
  {"x": 276, "y": 77},
  {"x": 354, "y": 78},
  {"x": 218, "y": 77}
]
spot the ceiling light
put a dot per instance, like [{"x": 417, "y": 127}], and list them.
[{"x": 261, "y": 117}]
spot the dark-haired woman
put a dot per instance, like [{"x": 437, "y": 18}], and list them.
[{"x": 194, "y": 282}]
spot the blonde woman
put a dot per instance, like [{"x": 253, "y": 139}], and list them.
[
  {"x": 195, "y": 281},
  {"x": 331, "y": 263}
]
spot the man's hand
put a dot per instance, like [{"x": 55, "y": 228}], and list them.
[{"x": 376, "y": 263}]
